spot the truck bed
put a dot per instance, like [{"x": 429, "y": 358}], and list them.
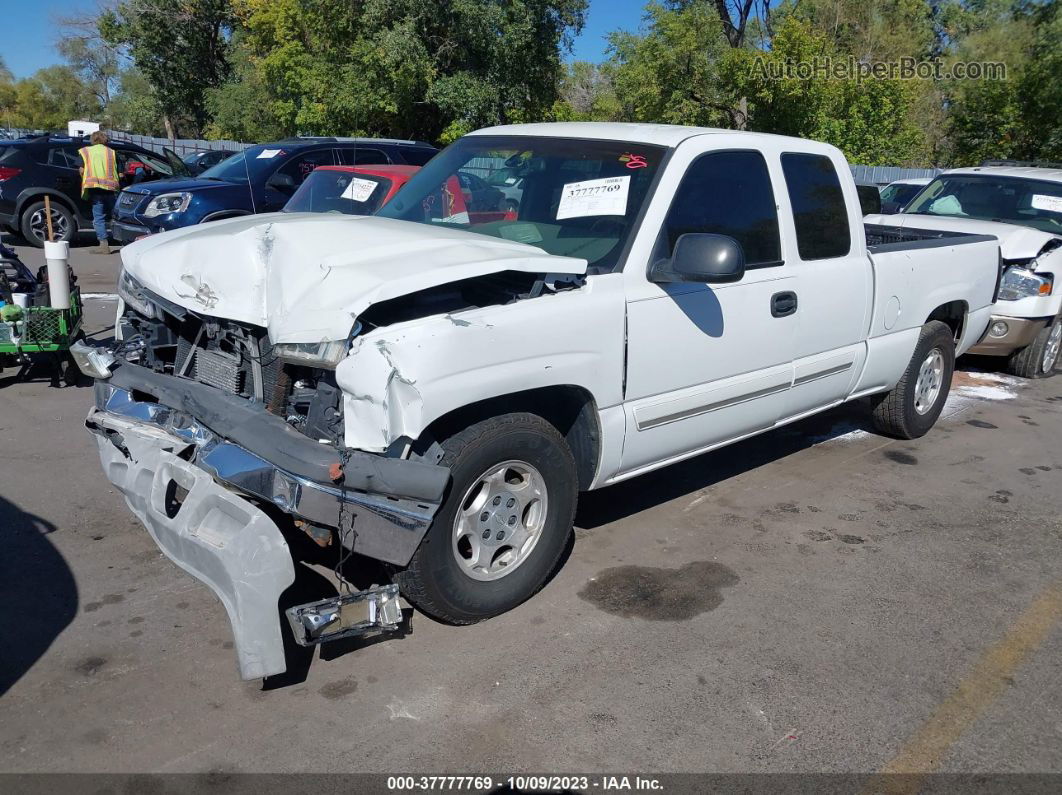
[{"x": 882, "y": 238}]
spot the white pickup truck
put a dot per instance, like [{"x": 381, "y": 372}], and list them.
[{"x": 433, "y": 387}]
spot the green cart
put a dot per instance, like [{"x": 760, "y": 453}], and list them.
[{"x": 43, "y": 334}]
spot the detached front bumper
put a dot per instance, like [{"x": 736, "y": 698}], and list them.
[
  {"x": 191, "y": 461},
  {"x": 213, "y": 534}
]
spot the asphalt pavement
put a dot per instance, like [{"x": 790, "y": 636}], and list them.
[{"x": 817, "y": 599}]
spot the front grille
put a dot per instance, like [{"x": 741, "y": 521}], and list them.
[
  {"x": 127, "y": 199},
  {"x": 218, "y": 369}
]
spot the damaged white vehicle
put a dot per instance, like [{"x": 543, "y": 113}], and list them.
[
  {"x": 1021, "y": 205},
  {"x": 432, "y": 387}
]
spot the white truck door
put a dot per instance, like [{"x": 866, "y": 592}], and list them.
[
  {"x": 826, "y": 253},
  {"x": 706, "y": 363}
]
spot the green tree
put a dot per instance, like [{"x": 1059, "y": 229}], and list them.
[
  {"x": 671, "y": 72},
  {"x": 50, "y": 98},
  {"x": 180, "y": 47},
  {"x": 406, "y": 67},
  {"x": 1040, "y": 89}
]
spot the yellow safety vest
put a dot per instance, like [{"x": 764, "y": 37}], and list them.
[{"x": 100, "y": 169}]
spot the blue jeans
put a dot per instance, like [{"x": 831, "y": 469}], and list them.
[{"x": 102, "y": 208}]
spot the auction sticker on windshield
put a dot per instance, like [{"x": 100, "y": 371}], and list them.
[
  {"x": 359, "y": 190},
  {"x": 1051, "y": 203},
  {"x": 607, "y": 196}
]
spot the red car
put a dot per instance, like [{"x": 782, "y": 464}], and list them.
[
  {"x": 362, "y": 190},
  {"x": 352, "y": 190}
]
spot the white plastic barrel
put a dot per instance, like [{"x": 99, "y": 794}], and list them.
[{"x": 57, "y": 253}]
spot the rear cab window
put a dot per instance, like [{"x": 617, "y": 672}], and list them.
[
  {"x": 820, "y": 213},
  {"x": 726, "y": 193}
]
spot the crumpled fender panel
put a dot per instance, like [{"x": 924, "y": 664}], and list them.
[
  {"x": 399, "y": 379},
  {"x": 213, "y": 534}
]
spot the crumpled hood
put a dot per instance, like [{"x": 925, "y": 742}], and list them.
[
  {"x": 1015, "y": 241},
  {"x": 307, "y": 276}
]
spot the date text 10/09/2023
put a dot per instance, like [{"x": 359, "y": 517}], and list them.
[{"x": 532, "y": 783}]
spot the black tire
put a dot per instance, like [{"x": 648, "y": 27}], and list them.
[
  {"x": 62, "y": 220},
  {"x": 894, "y": 412},
  {"x": 1029, "y": 361},
  {"x": 434, "y": 580}
]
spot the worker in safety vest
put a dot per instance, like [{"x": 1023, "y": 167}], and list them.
[{"x": 99, "y": 185}]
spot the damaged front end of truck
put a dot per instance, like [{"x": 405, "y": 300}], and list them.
[{"x": 226, "y": 400}]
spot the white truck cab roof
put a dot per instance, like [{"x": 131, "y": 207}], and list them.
[
  {"x": 1047, "y": 174},
  {"x": 661, "y": 134}
]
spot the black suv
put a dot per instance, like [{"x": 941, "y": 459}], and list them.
[
  {"x": 48, "y": 166},
  {"x": 260, "y": 179}
]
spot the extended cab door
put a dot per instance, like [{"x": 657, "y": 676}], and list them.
[
  {"x": 826, "y": 254},
  {"x": 707, "y": 363}
]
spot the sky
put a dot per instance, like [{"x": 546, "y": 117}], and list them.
[{"x": 30, "y": 44}]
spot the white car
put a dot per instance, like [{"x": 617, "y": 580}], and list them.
[
  {"x": 1021, "y": 205},
  {"x": 898, "y": 193},
  {"x": 433, "y": 389}
]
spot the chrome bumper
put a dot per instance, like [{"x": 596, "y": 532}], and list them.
[{"x": 378, "y": 525}]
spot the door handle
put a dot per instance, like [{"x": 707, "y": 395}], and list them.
[{"x": 783, "y": 304}]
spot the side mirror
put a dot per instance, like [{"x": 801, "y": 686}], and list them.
[
  {"x": 285, "y": 183},
  {"x": 890, "y": 208},
  {"x": 701, "y": 257}
]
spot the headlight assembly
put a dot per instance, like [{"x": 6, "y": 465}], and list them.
[
  {"x": 168, "y": 203},
  {"x": 313, "y": 354},
  {"x": 1020, "y": 283},
  {"x": 133, "y": 295}
]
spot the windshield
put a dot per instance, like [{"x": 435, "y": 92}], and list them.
[
  {"x": 329, "y": 191},
  {"x": 1010, "y": 200},
  {"x": 258, "y": 160},
  {"x": 577, "y": 198}
]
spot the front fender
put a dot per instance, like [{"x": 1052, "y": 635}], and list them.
[{"x": 401, "y": 378}]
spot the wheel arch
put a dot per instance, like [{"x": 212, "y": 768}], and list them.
[
  {"x": 569, "y": 408},
  {"x": 953, "y": 314},
  {"x": 31, "y": 195}
]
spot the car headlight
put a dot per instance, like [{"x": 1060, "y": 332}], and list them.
[
  {"x": 326, "y": 354},
  {"x": 135, "y": 296},
  {"x": 168, "y": 203},
  {"x": 1022, "y": 283}
]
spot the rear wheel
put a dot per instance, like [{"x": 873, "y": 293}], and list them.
[
  {"x": 504, "y": 524},
  {"x": 912, "y": 407},
  {"x": 1040, "y": 357},
  {"x": 34, "y": 224}
]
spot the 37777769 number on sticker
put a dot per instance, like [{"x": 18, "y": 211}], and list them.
[{"x": 606, "y": 196}]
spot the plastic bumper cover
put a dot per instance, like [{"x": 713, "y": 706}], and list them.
[{"x": 1021, "y": 331}]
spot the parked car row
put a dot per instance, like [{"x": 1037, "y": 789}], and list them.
[
  {"x": 259, "y": 179},
  {"x": 432, "y": 385},
  {"x": 31, "y": 169}
]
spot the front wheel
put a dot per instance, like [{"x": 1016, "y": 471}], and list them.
[
  {"x": 1039, "y": 358},
  {"x": 504, "y": 524},
  {"x": 912, "y": 407}
]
